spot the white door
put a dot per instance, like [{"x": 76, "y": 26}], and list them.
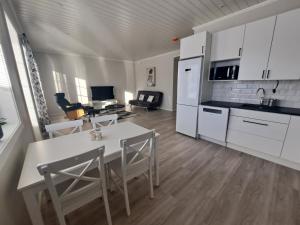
[
  {"x": 186, "y": 120},
  {"x": 227, "y": 44},
  {"x": 291, "y": 150},
  {"x": 256, "y": 49},
  {"x": 212, "y": 122},
  {"x": 285, "y": 52},
  {"x": 189, "y": 77},
  {"x": 193, "y": 46}
]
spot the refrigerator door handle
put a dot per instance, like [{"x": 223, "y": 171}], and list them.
[{"x": 189, "y": 69}]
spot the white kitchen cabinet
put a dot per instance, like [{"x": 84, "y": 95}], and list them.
[
  {"x": 259, "y": 131},
  {"x": 291, "y": 147},
  {"x": 212, "y": 122},
  {"x": 227, "y": 44},
  {"x": 255, "y": 142},
  {"x": 256, "y": 49},
  {"x": 285, "y": 52},
  {"x": 263, "y": 128},
  {"x": 193, "y": 46}
]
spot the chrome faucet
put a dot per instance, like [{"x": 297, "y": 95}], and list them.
[{"x": 261, "y": 98}]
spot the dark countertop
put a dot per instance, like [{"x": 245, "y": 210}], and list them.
[{"x": 274, "y": 109}]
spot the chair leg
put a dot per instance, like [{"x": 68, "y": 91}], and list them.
[
  {"x": 151, "y": 182},
  {"x": 61, "y": 218},
  {"x": 105, "y": 199},
  {"x": 109, "y": 178},
  {"x": 126, "y": 198}
]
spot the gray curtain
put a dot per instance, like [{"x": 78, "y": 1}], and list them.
[{"x": 36, "y": 85}]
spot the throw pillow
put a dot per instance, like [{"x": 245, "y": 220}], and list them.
[
  {"x": 141, "y": 97},
  {"x": 150, "y": 98}
]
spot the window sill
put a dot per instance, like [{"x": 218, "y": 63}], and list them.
[{"x": 8, "y": 130}]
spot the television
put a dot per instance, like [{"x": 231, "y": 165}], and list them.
[{"x": 101, "y": 93}]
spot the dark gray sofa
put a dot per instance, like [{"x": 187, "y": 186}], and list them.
[{"x": 144, "y": 102}]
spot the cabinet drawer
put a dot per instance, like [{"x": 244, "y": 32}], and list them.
[
  {"x": 262, "y": 128},
  {"x": 273, "y": 117},
  {"x": 257, "y": 143}
]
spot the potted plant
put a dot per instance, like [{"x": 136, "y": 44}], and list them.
[{"x": 2, "y": 122}]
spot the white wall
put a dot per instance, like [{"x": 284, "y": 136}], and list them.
[
  {"x": 96, "y": 71},
  {"x": 12, "y": 207},
  {"x": 164, "y": 76}
]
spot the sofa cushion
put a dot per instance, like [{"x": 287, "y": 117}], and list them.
[{"x": 150, "y": 98}]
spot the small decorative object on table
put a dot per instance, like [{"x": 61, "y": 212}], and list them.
[
  {"x": 2, "y": 122},
  {"x": 96, "y": 134}
]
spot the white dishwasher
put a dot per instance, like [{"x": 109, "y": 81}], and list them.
[{"x": 212, "y": 123}]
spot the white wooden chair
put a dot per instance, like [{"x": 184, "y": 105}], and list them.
[
  {"x": 136, "y": 160},
  {"x": 55, "y": 128},
  {"x": 105, "y": 120},
  {"x": 84, "y": 188}
]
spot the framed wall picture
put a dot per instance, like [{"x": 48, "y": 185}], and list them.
[{"x": 151, "y": 76}]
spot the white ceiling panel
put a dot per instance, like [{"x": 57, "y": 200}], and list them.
[{"x": 122, "y": 29}]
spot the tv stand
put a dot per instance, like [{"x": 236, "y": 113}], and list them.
[{"x": 103, "y": 104}]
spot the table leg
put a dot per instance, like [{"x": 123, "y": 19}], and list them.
[
  {"x": 32, "y": 204},
  {"x": 156, "y": 161}
]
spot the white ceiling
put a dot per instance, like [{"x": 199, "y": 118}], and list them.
[{"x": 122, "y": 29}]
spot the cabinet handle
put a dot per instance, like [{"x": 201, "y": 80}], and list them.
[
  {"x": 202, "y": 49},
  {"x": 263, "y": 74},
  {"x": 268, "y": 74},
  {"x": 262, "y": 124},
  {"x": 215, "y": 111},
  {"x": 240, "y": 51}
]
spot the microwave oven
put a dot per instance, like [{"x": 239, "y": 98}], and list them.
[{"x": 224, "y": 72}]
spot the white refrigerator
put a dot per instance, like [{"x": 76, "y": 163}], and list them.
[{"x": 188, "y": 95}]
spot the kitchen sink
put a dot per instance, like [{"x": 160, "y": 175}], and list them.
[{"x": 256, "y": 106}]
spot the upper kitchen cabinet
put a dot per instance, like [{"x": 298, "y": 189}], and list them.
[
  {"x": 285, "y": 52},
  {"x": 256, "y": 49},
  {"x": 193, "y": 46},
  {"x": 227, "y": 44}
]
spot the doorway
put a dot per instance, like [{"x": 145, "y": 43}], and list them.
[{"x": 175, "y": 78}]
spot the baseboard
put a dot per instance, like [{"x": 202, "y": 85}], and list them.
[
  {"x": 271, "y": 158},
  {"x": 170, "y": 110}
]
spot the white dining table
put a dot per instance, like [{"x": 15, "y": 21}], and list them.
[{"x": 31, "y": 183}]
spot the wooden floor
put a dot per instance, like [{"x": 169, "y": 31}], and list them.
[{"x": 201, "y": 184}]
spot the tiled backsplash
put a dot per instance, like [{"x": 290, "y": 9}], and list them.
[{"x": 288, "y": 92}]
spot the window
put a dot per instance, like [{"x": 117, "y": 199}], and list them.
[
  {"x": 57, "y": 82},
  {"x": 4, "y": 81},
  {"x": 22, "y": 70},
  {"x": 8, "y": 108},
  {"x": 61, "y": 84},
  {"x": 81, "y": 89}
]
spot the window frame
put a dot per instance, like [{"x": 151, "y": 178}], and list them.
[{"x": 11, "y": 131}]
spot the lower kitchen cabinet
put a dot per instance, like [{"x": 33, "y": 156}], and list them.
[
  {"x": 271, "y": 136},
  {"x": 255, "y": 142},
  {"x": 258, "y": 131},
  {"x": 291, "y": 147}
]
